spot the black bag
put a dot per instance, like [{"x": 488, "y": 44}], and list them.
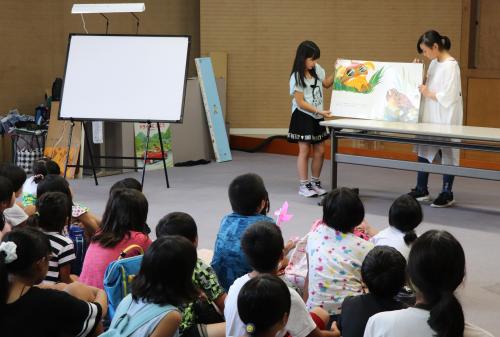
[{"x": 56, "y": 89}]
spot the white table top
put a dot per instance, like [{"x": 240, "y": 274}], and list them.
[{"x": 427, "y": 129}]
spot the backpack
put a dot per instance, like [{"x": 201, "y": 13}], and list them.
[
  {"x": 119, "y": 276},
  {"x": 124, "y": 325}
]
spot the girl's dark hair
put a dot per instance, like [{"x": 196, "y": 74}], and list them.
[
  {"x": 246, "y": 193},
  {"x": 177, "y": 223},
  {"x": 43, "y": 167},
  {"x": 166, "y": 274},
  {"x": 262, "y": 302},
  {"x": 305, "y": 50},
  {"x": 6, "y": 191},
  {"x": 55, "y": 183},
  {"x": 14, "y": 173},
  {"x": 263, "y": 245},
  {"x": 405, "y": 214},
  {"x": 430, "y": 37},
  {"x": 52, "y": 212},
  {"x": 32, "y": 245},
  {"x": 126, "y": 210},
  {"x": 436, "y": 267},
  {"x": 343, "y": 210},
  {"x": 126, "y": 183}
]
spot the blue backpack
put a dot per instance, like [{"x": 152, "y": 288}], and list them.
[
  {"x": 124, "y": 324},
  {"x": 118, "y": 277}
]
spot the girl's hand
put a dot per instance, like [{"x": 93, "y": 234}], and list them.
[
  {"x": 325, "y": 113},
  {"x": 417, "y": 60},
  {"x": 423, "y": 90}
]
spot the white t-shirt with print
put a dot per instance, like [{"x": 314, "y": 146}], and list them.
[
  {"x": 392, "y": 237},
  {"x": 334, "y": 261},
  {"x": 411, "y": 322},
  {"x": 300, "y": 323},
  {"x": 313, "y": 91}
]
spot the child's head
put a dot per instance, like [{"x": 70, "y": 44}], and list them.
[
  {"x": 306, "y": 56},
  {"x": 263, "y": 246},
  {"x": 432, "y": 44},
  {"x": 166, "y": 272},
  {"x": 126, "y": 210},
  {"x": 264, "y": 304},
  {"x": 248, "y": 195},
  {"x": 54, "y": 183},
  {"x": 384, "y": 271},
  {"x": 15, "y": 174},
  {"x": 343, "y": 210},
  {"x": 43, "y": 167},
  {"x": 126, "y": 183},
  {"x": 25, "y": 254},
  {"x": 52, "y": 212},
  {"x": 178, "y": 223},
  {"x": 7, "y": 198},
  {"x": 405, "y": 214},
  {"x": 436, "y": 267}
]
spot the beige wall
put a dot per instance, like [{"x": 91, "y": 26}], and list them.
[
  {"x": 261, "y": 37},
  {"x": 34, "y": 35}
]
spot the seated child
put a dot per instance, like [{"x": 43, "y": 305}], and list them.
[
  {"x": 335, "y": 254},
  {"x": 41, "y": 168},
  {"x": 405, "y": 215},
  {"x": 53, "y": 213},
  {"x": 384, "y": 272},
  {"x": 126, "y": 183},
  {"x": 250, "y": 203},
  {"x": 204, "y": 278},
  {"x": 14, "y": 215},
  {"x": 263, "y": 245},
  {"x": 264, "y": 305},
  {"x": 31, "y": 311},
  {"x": 164, "y": 280},
  {"x": 123, "y": 225},
  {"x": 436, "y": 268},
  {"x": 7, "y": 199}
]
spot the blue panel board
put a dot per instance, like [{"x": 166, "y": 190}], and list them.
[{"x": 213, "y": 109}]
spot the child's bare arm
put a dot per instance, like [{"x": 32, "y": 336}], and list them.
[{"x": 64, "y": 273}]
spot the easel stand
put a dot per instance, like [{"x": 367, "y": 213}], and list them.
[{"x": 145, "y": 157}]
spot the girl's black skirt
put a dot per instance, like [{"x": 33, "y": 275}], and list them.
[{"x": 304, "y": 128}]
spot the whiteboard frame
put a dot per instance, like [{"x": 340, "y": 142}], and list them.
[{"x": 127, "y": 120}]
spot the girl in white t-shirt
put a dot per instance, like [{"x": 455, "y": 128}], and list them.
[
  {"x": 307, "y": 81},
  {"x": 436, "y": 267},
  {"x": 405, "y": 215}
]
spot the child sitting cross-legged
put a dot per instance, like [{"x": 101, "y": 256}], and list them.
[
  {"x": 263, "y": 245},
  {"x": 204, "y": 278},
  {"x": 250, "y": 203}
]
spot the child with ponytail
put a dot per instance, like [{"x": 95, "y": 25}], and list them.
[
  {"x": 436, "y": 267},
  {"x": 405, "y": 215}
]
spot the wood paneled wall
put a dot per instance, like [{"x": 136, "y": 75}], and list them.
[{"x": 261, "y": 36}]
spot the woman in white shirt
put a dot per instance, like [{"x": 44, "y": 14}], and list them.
[
  {"x": 436, "y": 267},
  {"x": 441, "y": 104}
]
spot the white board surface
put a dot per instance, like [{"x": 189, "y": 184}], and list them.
[{"x": 125, "y": 78}]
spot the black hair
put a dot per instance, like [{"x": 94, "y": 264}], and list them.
[
  {"x": 343, "y": 210},
  {"x": 305, "y": 50},
  {"x": 52, "y": 212},
  {"x": 384, "y": 271},
  {"x": 405, "y": 214},
  {"x": 6, "y": 191},
  {"x": 126, "y": 183},
  {"x": 177, "y": 223},
  {"x": 126, "y": 210},
  {"x": 262, "y": 302},
  {"x": 263, "y": 245},
  {"x": 430, "y": 37},
  {"x": 14, "y": 173},
  {"x": 246, "y": 193},
  {"x": 32, "y": 245},
  {"x": 43, "y": 167},
  {"x": 55, "y": 183},
  {"x": 166, "y": 274},
  {"x": 436, "y": 267}
]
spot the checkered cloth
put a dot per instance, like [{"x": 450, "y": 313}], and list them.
[{"x": 26, "y": 157}]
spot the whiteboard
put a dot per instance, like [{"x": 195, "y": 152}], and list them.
[{"x": 125, "y": 78}]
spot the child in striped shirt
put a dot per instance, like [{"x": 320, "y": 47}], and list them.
[{"x": 53, "y": 213}]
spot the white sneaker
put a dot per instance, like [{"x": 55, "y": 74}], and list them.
[
  {"x": 316, "y": 185},
  {"x": 307, "y": 190}
]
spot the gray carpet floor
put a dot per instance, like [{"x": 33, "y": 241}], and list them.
[{"x": 202, "y": 192}]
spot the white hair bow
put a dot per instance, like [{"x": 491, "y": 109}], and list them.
[{"x": 9, "y": 248}]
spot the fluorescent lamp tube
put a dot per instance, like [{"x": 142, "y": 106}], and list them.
[{"x": 108, "y": 8}]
